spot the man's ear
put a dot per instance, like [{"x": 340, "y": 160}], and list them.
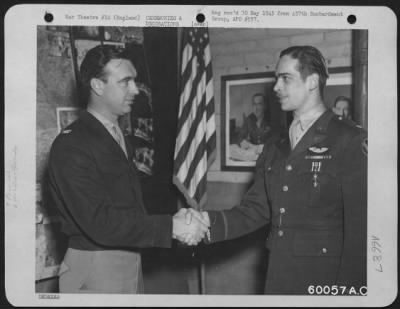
[
  {"x": 97, "y": 86},
  {"x": 313, "y": 81}
]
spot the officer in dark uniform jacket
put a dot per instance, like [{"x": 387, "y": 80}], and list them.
[
  {"x": 96, "y": 187},
  {"x": 313, "y": 190}
]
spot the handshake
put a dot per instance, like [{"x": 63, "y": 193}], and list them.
[{"x": 190, "y": 226}]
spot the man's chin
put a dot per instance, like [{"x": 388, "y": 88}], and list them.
[
  {"x": 285, "y": 107},
  {"x": 127, "y": 109}
]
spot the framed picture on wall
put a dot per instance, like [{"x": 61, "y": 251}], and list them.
[
  {"x": 66, "y": 116},
  {"x": 249, "y": 113}
]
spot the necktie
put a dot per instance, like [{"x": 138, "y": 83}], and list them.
[
  {"x": 119, "y": 138},
  {"x": 295, "y": 132}
]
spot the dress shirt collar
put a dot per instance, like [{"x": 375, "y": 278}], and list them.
[
  {"x": 309, "y": 117},
  {"x": 106, "y": 122}
]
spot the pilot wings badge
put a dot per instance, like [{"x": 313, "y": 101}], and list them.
[{"x": 318, "y": 150}]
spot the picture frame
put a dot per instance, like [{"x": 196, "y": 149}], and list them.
[
  {"x": 236, "y": 104},
  {"x": 237, "y": 93},
  {"x": 66, "y": 116}
]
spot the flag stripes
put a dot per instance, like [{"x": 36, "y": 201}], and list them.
[{"x": 196, "y": 138}]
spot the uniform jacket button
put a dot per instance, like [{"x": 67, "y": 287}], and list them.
[
  {"x": 280, "y": 233},
  {"x": 282, "y": 210},
  {"x": 285, "y": 188},
  {"x": 324, "y": 250},
  {"x": 289, "y": 167}
]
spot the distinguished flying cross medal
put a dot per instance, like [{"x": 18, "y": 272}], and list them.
[{"x": 316, "y": 168}]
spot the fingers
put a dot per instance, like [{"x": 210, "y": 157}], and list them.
[
  {"x": 200, "y": 217},
  {"x": 206, "y": 217},
  {"x": 190, "y": 213},
  {"x": 188, "y": 217},
  {"x": 197, "y": 227},
  {"x": 191, "y": 240},
  {"x": 190, "y": 226},
  {"x": 181, "y": 223},
  {"x": 181, "y": 212},
  {"x": 188, "y": 239},
  {"x": 193, "y": 235}
]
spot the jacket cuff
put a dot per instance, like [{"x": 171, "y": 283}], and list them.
[
  {"x": 162, "y": 231},
  {"x": 218, "y": 228}
]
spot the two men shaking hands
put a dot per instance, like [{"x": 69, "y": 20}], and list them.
[{"x": 190, "y": 226}]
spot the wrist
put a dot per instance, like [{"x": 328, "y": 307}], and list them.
[{"x": 174, "y": 227}]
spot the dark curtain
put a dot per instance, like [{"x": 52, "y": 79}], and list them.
[{"x": 165, "y": 270}]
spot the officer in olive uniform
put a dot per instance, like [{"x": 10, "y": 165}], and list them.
[{"x": 311, "y": 186}]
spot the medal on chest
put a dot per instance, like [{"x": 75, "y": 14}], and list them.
[
  {"x": 315, "y": 168},
  {"x": 317, "y": 155}
]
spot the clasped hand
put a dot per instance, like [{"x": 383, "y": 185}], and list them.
[{"x": 190, "y": 226}]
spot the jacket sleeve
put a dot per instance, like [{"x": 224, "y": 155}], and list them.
[
  {"x": 252, "y": 213},
  {"x": 353, "y": 268},
  {"x": 83, "y": 196}
]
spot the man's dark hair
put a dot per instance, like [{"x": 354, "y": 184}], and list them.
[
  {"x": 93, "y": 66},
  {"x": 259, "y": 94},
  {"x": 310, "y": 60}
]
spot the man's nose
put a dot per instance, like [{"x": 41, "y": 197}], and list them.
[
  {"x": 277, "y": 87},
  {"x": 134, "y": 89}
]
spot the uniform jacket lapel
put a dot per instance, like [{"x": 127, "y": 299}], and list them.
[
  {"x": 108, "y": 144},
  {"x": 129, "y": 148},
  {"x": 315, "y": 135},
  {"x": 101, "y": 132},
  {"x": 283, "y": 144}
]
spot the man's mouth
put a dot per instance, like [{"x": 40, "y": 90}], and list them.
[{"x": 282, "y": 98}]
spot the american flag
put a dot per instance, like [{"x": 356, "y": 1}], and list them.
[{"x": 196, "y": 141}]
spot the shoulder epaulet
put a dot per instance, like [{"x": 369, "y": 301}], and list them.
[
  {"x": 357, "y": 127},
  {"x": 364, "y": 146},
  {"x": 347, "y": 122}
]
